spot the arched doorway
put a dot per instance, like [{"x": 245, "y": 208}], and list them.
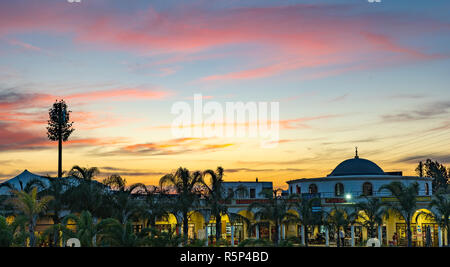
[
  {"x": 167, "y": 223},
  {"x": 293, "y": 229},
  {"x": 225, "y": 228},
  {"x": 427, "y": 233},
  {"x": 243, "y": 225},
  {"x": 196, "y": 222}
]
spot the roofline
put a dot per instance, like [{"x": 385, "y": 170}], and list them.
[
  {"x": 360, "y": 177},
  {"x": 248, "y": 182}
]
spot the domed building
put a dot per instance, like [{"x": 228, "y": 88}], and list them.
[{"x": 354, "y": 179}]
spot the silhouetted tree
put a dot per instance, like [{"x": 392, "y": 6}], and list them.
[
  {"x": 184, "y": 183},
  {"x": 59, "y": 127},
  {"x": 156, "y": 205},
  {"x": 439, "y": 212},
  {"x": 125, "y": 200},
  {"x": 31, "y": 207},
  {"x": 275, "y": 209},
  {"x": 57, "y": 188},
  {"x": 339, "y": 218},
  {"x": 306, "y": 216},
  {"x": 420, "y": 169},
  {"x": 115, "y": 182},
  {"x": 217, "y": 198},
  {"x": 436, "y": 171},
  {"x": 87, "y": 227},
  {"x": 371, "y": 212},
  {"x": 406, "y": 204}
]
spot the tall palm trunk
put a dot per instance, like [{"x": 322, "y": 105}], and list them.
[
  {"x": 56, "y": 238},
  {"x": 448, "y": 235},
  {"x": 276, "y": 239},
  {"x": 218, "y": 227},
  {"x": 306, "y": 235},
  {"x": 338, "y": 241},
  {"x": 152, "y": 222},
  {"x": 31, "y": 227},
  {"x": 60, "y": 141},
  {"x": 372, "y": 231},
  {"x": 408, "y": 233},
  {"x": 185, "y": 224},
  {"x": 56, "y": 221},
  {"x": 94, "y": 238},
  {"x": 32, "y": 237}
]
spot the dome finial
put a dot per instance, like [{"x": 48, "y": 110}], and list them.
[{"x": 356, "y": 153}]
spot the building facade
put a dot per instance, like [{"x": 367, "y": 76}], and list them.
[
  {"x": 353, "y": 180},
  {"x": 358, "y": 179}
]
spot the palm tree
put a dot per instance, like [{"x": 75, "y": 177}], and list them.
[
  {"x": 32, "y": 207},
  {"x": 339, "y": 218},
  {"x": 275, "y": 210},
  {"x": 87, "y": 228},
  {"x": 216, "y": 198},
  {"x": 306, "y": 216},
  {"x": 7, "y": 207},
  {"x": 27, "y": 187},
  {"x": 371, "y": 211},
  {"x": 125, "y": 200},
  {"x": 153, "y": 238},
  {"x": 406, "y": 204},
  {"x": 89, "y": 194},
  {"x": 58, "y": 190},
  {"x": 6, "y": 233},
  {"x": 115, "y": 182},
  {"x": 13, "y": 233},
  {"x": 59, "y": 127},
  {"x": 185, "y": 185},
  {"x": 155, "y": 205},
  {"x": 87, "y": 174},
  {"x": 440, "y": 212},
  {"x": 117, "y": 234}
]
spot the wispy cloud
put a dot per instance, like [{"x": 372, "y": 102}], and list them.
[
  {"x": 339, "y": 98},
  {"x": 108, "y": 170},
  {"x": 13, "y": 138},
  {"x": 170, "y": 147},
  {"x": 441, "y": 158},
  {"x": 422, "y": 112},
  {"x": 233, "y": 170}
]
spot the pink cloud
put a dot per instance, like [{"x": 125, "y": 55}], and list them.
[
  {"x": 24, "y": 45},
  {"x": 13, "y": 100},
  {"x": 119, "y": 95},
  {"x": 14, "y": 137},
  {"x": 286, "y": 37},
  {"x": 174, "y": 146},
  {"x": 23, "y": 116}
]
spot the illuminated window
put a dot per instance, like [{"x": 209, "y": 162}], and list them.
[
  {"x": 367, "y": 189},
  {"x": 313, "y": 189},
  {"x": 339, "y": 190}
]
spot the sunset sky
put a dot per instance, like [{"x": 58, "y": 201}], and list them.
[{"x": 345, "y": 74}]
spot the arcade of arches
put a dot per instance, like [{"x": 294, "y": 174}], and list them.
[{"x": 244, "y": 226}]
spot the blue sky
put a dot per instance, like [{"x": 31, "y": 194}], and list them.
[{"x": 346, "y": 73}]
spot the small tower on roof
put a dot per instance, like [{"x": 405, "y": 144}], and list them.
[{"x": 356, "y": 153}]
